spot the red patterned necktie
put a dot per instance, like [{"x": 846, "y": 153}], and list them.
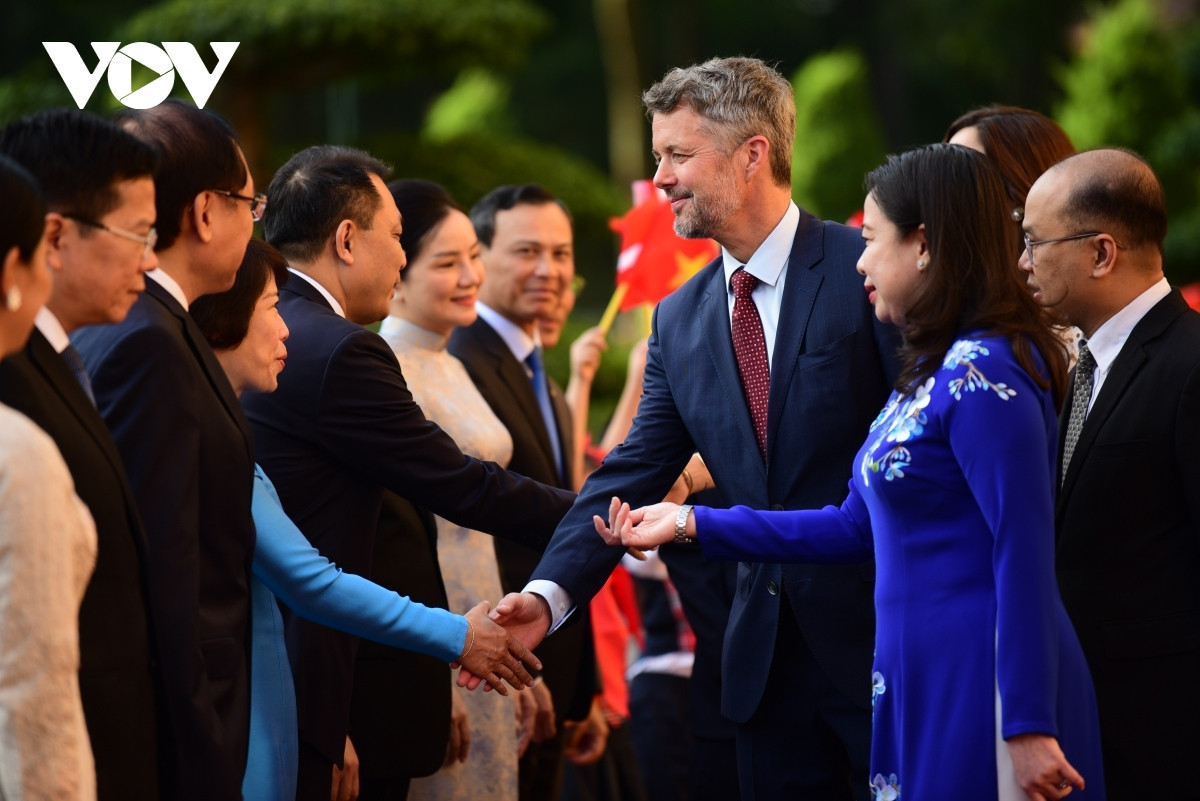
[{"x": 750, "y": 348}]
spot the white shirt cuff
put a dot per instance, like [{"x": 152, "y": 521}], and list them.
[{"x": 560, "y": 601}]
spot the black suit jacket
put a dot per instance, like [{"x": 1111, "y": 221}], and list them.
[
  {"x": 400, "y": 710},
  {"x": 116, "y": 677},
  {"x": 568, "y": 658},
  {"x": 189, "y": 457},
  {"x": 1128, "y": 551},
  {"x": 832, "y": 369},
  {"x": 341, "y": 428}
]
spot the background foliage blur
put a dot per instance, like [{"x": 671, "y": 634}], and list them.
[{"x": 475, "y": 93}]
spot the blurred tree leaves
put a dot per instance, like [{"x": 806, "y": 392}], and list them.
[
  {"x": 837, "y": 133},
  {"x": 1135, "y": 83}
]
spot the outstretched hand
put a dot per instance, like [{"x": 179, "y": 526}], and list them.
[
  {"x": 524, "y": 619},
  {"x": 1042, "y": 770},
  {"x": 492, "y": 654},
  {"x": 645, "y": 528}
]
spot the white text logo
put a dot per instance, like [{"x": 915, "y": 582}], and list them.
[{"x": 165, "y": 61}]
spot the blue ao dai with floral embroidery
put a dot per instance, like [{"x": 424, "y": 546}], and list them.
[{"x": 953, "y": 495}]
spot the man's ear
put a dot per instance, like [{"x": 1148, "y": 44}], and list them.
[
  {"x": 54, "y": 234},
  {"x": 758, "y": 153},
  {"x": 345, "y": 240},
  {"x": 200, "y": 215},
  {"x": 1104, "y": 255}
]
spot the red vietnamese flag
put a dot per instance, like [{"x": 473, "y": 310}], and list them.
[
  {"x": 654, "y": 261},
  {"x": 1191, "y": 293}
]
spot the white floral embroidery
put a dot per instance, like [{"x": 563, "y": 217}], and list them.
[
  {"x": 878, "y": 687},
  {"x": 907, "y": 423},
  {"x": 964, "y": 352},
  {"x": 885, "y": 789}
]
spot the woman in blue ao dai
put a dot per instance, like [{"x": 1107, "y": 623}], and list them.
[{"x": 980, "y": 689}]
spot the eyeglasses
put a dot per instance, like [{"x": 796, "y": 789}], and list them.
[
  {"x": 1030, "y": 244},
  {"x": 258, "y": 203},
  {"x": 148, "y": 241}
]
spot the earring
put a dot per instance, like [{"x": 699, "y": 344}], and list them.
[
  {"x": 12, "y": 299},
  {"x": 920, "y": 264}
]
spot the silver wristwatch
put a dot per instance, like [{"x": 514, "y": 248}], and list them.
[{"x": 681, "y": 524}]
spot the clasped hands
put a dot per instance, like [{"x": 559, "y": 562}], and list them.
[
  {"x": 492, "y": 654},
  {"x": 644, "y": 529}
]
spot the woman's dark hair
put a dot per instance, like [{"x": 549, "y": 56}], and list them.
[
  {"x": 1022, "y": 143},
  {"x": 197, "y": 151},
  {"x": 224, "y": 318},
  {"x": 971, "y": 282},
  {"x": 423, "y": 205},
  {"x": 24, "y": 210}
]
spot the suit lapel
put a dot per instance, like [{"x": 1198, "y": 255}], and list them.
[
  {"x": 512, "y": 374},
  {"x": 799, "y": 294},
  {"x": 208, "y": 361},
  {"x": 1126, "y": 366},
  {"x": 59, "y": 377},
  {"x": 718, "y": 339}
]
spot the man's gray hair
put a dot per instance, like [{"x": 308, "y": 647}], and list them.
[{"x": 743, "y": 97}]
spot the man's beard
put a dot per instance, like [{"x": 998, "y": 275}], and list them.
[{"x": 706, "y": 218}]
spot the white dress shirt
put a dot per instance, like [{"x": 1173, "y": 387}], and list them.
[
  {"x": 50, "y": 327},
  {"x": 171, "y": 285},
  {"x": 1108, "y": 340},
  {"x": 337, "y": 307}
]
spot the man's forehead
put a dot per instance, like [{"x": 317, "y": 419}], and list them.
[{"x": 540, "y": 222}]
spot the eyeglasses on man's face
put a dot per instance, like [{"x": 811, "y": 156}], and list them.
[
  {"x": 258, "y": 203},
  {"x": 147, "y": 242},
  {"x": 1030, "y": 244}
]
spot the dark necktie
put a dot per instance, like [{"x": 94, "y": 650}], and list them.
[
  {"x": 1085, "y": 370},
  {"x": 750, "y": 348},
  {"x": 75, "y": 362},
  {"x": 541, "y": 389}
]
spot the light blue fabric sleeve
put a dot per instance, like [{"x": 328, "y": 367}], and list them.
[
  {"x": 832, "y": 535},
  {"x": 316, "y": 589}
]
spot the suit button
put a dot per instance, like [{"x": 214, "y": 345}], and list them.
[
  {"x": 772, "y": 588},
  {"x": 776, "y": 507}
]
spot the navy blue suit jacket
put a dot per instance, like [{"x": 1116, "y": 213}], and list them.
[
  {"x": 830, "y": 375},
  {"x": 188, "y": 453},
  {"x": 341, "y": 428}
]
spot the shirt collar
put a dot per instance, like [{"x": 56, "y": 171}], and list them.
[
  {"x": 52, "y": 329},
  {"x": 772, "y": 255},
  {"x": 337, "y": 307},
  {"x": 520, "y": 343},
  {"x": 1109, "y": 338},
  {"x": 171, "y": 285}
]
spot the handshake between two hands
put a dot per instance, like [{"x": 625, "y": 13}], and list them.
[{"x": 500, "y": 641}]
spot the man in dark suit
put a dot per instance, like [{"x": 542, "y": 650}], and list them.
[
  {"x": 99, "y": 185},
  {"x": 1128, "y": 511},
  {"x": 342, "y": 427},
  {"x": 773, "y": 372},
  {"x": 187, "y": 448},
  {"x": 527, "y": 250}
]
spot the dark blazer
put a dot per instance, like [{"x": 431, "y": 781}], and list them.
[
  {"x": 569, "y": 661},
  {"x": 341, "y": 428},
  {"x": 189, "y": 457},
  {"x": 116, "y": 678},
  {"x": 400, "y": 710},
  {"x": 1128, "y": 527},
  {"x": 828, "y": 382}
]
